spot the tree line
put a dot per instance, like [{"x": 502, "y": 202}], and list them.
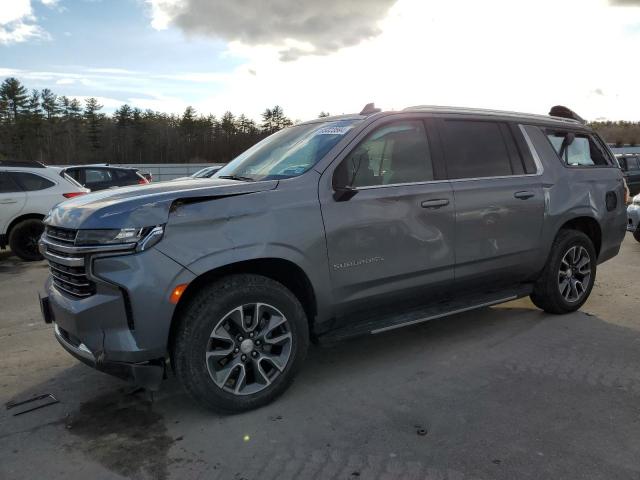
[{"x": 53, "y": 129}]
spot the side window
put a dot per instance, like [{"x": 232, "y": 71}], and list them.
[
  {"x": 577, "y": 149},
  {"x": 97, "y": 175},
  {"x": 392, "y": 154},
  {"x": 7, "y": 184},
  {"x": 30, "y": 182},
  {"x": 476, "y": 149},
  {"x": 634, "y": 163},
  {"x": 73, "y": 173}
]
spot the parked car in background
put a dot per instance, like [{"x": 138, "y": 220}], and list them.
[
  {"x": 630, "y": 166},
  {"x": 27, "y": 193},
  {"x": 206, "y": 172},
  {"x": 330, "y": 229},
  {"x": 97, "y": 177},
  {"x": 633, "y": 217}
]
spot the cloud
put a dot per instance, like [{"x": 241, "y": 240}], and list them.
[
  {"x": 303, "y": 27},
  {"x": 18, "y": 24}
]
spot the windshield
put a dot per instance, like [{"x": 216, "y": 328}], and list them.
[
  {"x": 289, "y": 152},
  {"x": 205, "y": 172}
]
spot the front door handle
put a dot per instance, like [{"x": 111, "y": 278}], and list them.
[
  {"x": 437, "y": 203},
  {"x": 523, "y": 195},
  {"x": 8, "y": 201}
]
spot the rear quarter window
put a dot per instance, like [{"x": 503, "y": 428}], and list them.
[{"x": 577, "y": 149}]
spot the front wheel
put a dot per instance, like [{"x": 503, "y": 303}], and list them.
[
  {"x": 568, "y": 277},
  {"x": 240, "y": 342}
]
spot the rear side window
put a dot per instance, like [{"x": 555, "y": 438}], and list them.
[
  {"x": 395, "y": 153},
  {"x": 577, "y": 149},
  {"x": 7, "y": 184},
  {"x": 477, "y": 149},
  {"x": 633, "y": 163},
  {"x": 126, "y": 174},
  {"x": 73, "y": 173},
  {"x": 97, "y": 175},
  {"x": 30, "y": 182}
]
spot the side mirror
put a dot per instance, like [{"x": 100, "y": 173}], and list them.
[{"x": 344, "y": 193}]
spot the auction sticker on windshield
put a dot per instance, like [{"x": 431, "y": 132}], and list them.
[{"x": 334, "y": 130}]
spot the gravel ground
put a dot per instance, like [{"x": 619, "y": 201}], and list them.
[{"x": 500, "y": 393}]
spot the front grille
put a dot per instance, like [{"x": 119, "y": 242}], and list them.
[
  {"x": 71, "y": 280},
  {"x": 65, "y": 236}
]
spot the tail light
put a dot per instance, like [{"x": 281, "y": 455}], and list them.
[
  {"x": 73, "y": 194},
  {"x": 142, "y": 181}
]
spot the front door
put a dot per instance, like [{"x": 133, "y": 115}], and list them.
[{"x": 390, "y": 238}]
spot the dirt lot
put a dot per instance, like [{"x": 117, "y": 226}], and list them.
[{"x": 501, "y": 393}]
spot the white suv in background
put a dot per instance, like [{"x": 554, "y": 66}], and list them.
[{"x": 27, "y": 193}]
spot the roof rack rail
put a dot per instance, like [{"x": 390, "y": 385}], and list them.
[
  {"x": 484, "y": 111},
  {"x": 22, "y": 164}
]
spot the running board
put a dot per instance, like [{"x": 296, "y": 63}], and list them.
[{"x": 380, "y": 324}]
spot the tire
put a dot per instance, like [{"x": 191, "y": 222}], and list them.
[
  {"x": 208, "y": 347},
  {"x": 23, "y": 239},
  {"x": 550, "y": 291},
  {"x": 636, "y": 234}
]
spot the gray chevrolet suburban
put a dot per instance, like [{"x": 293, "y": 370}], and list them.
[{"x": 329, "y": 229}]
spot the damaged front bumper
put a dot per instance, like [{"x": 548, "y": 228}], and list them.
[{"x": 122, "y": 327}]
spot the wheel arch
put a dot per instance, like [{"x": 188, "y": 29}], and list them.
[
  {"x": 587, "y": 225},
  {"x": 283, "y": 271},
  {"x": 17, "y": 220}
]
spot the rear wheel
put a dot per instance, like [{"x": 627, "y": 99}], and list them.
[
  {"x": 24, "y": 237},
  {"x": 568, "y": 277},
  {"x": 240, "y": 342}
]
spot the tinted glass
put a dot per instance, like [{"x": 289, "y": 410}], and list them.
[
  {"x": 73, "y": 173},
  {"x": 97, "y": 175},
  {"x": 393, "y": 154},
  {"x": 7, "y": 185},
  {"x": 289, "y": 152},
  {"x": 475, "y": 149},
  {"x": 579, "y": 151},
  {"x": 126, "y": 175},
  {"x": 633, "y": 163},
  {"x": 30, "y": 182}
]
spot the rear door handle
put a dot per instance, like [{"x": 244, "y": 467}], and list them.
[
  {"x": 8, "y": 201},
  {"x": 437, "y": 203},
  {"x": 523, "y": 195}
]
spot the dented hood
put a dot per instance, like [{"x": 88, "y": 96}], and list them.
[{"x": 144, "y": 205}]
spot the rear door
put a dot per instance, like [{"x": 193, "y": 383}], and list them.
[
  {"x": 12, "y": 200},
  {"x": 389, "y": 239},
  {"x": 498, "y": 198}
]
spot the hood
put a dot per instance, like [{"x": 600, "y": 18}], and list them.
[{"x": 143, "y": 205}]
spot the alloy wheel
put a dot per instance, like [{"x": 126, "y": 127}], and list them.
[
  {"x": 249, "y": 348},
  {"x": 574, "y": 274}
]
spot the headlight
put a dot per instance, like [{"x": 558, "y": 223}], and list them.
[
  {"x": 636, "y": 200},
  {"x": 143, "y": 238}
]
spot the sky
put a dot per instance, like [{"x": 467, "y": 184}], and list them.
[{"x": 310, "y": 56}]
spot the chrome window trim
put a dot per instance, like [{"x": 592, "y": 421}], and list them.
[
  {"x": 534, "y": 154},
  {"x": 425, "y": 182}
]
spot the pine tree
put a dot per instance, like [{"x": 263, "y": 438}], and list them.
[
  {"x": 93, "y": 120},
  {"x": 15, "y": 95}
]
